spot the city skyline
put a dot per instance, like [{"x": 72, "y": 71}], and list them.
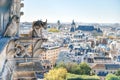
[
  {"x": 89, "y": 11},
  {"x": 83, "y": 45}
]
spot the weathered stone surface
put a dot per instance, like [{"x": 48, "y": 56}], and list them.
[{"x": 9, "y": 9}]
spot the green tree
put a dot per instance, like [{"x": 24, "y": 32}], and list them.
[
  {"x": 70, "y": 67},
  {"x": 61, "y": 64},
  {"x": 84, "y": 69},
  {"x": 56, "y": 74},
  {"x": 118, "y": 73},
  {"x": 112, "y": 77},
  {"x": 73, "y": 68}
]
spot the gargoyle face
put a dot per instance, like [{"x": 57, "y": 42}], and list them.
[
  {"x": 15, "y": 18},
  {"x": 37, "y": 27},
  {"x": 3, "y": 3},
  {"x": 39, "y": 24}
]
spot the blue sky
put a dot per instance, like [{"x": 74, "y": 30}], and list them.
[{"x": 98, "y": 11}]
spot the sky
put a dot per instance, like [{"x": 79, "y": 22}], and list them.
[{"x": 89, "y": 11}]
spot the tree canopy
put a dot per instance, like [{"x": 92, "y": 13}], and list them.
[
  {"x": 112, "y": 77},
  {"x": 74, "y": 68},
  {"x": 118, "y": 73},
  {"x": 84, "y": 69},
  {"x": 56, "y": 74}
]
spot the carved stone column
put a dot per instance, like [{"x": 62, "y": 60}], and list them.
[{"x": 1, "y": 23}]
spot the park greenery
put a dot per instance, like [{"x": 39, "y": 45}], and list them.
[
  {"x": 81, "y": 77},
  {"x": 74, "y": 68},
  {"x": 112, "y": 77},
  {"x": 118, "y": 73},
  {"x": 115, "y": 76},
  {"x": 74, "y": 71},
  {"x": 53, "y": 30},
  {"x": 56, "y": 74},
  {"x": 70, "y": 71}
]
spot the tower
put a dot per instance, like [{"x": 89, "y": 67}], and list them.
[
  {"x": 73, "y": 27},
  {"x": 58, "y": 25}
]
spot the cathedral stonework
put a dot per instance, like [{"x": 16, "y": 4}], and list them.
[
  {"x": 9, "y": 17},
  {"x": 20, "y": 57}
]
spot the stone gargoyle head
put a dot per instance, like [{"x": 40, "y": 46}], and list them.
[{"x": 40, "y": 24}]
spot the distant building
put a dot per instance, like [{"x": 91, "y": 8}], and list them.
[
  {"x": 73, "y": 27},
  {"x": 102, "y": 60},
  {"x": 104, "y": 69},
  {"x": 88, "y": 28},
  {"x": 50, "y": 55}
]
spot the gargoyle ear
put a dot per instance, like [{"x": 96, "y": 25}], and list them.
[{"x": 46, "y": 21}]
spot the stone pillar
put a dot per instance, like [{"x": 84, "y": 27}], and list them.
[
  {"x": 6, "y": 20},
  {"x": 1, "y": 23}
]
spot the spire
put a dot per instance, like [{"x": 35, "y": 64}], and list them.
[
  {"x": 58, "y": 22},
  {"x": 73, "y": 27},
  {"x": 73, "y": 22}
]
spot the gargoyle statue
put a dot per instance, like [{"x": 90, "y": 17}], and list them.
[
  {"x": 11, "y": 29},
  {"x": 37, "y": 28}
]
